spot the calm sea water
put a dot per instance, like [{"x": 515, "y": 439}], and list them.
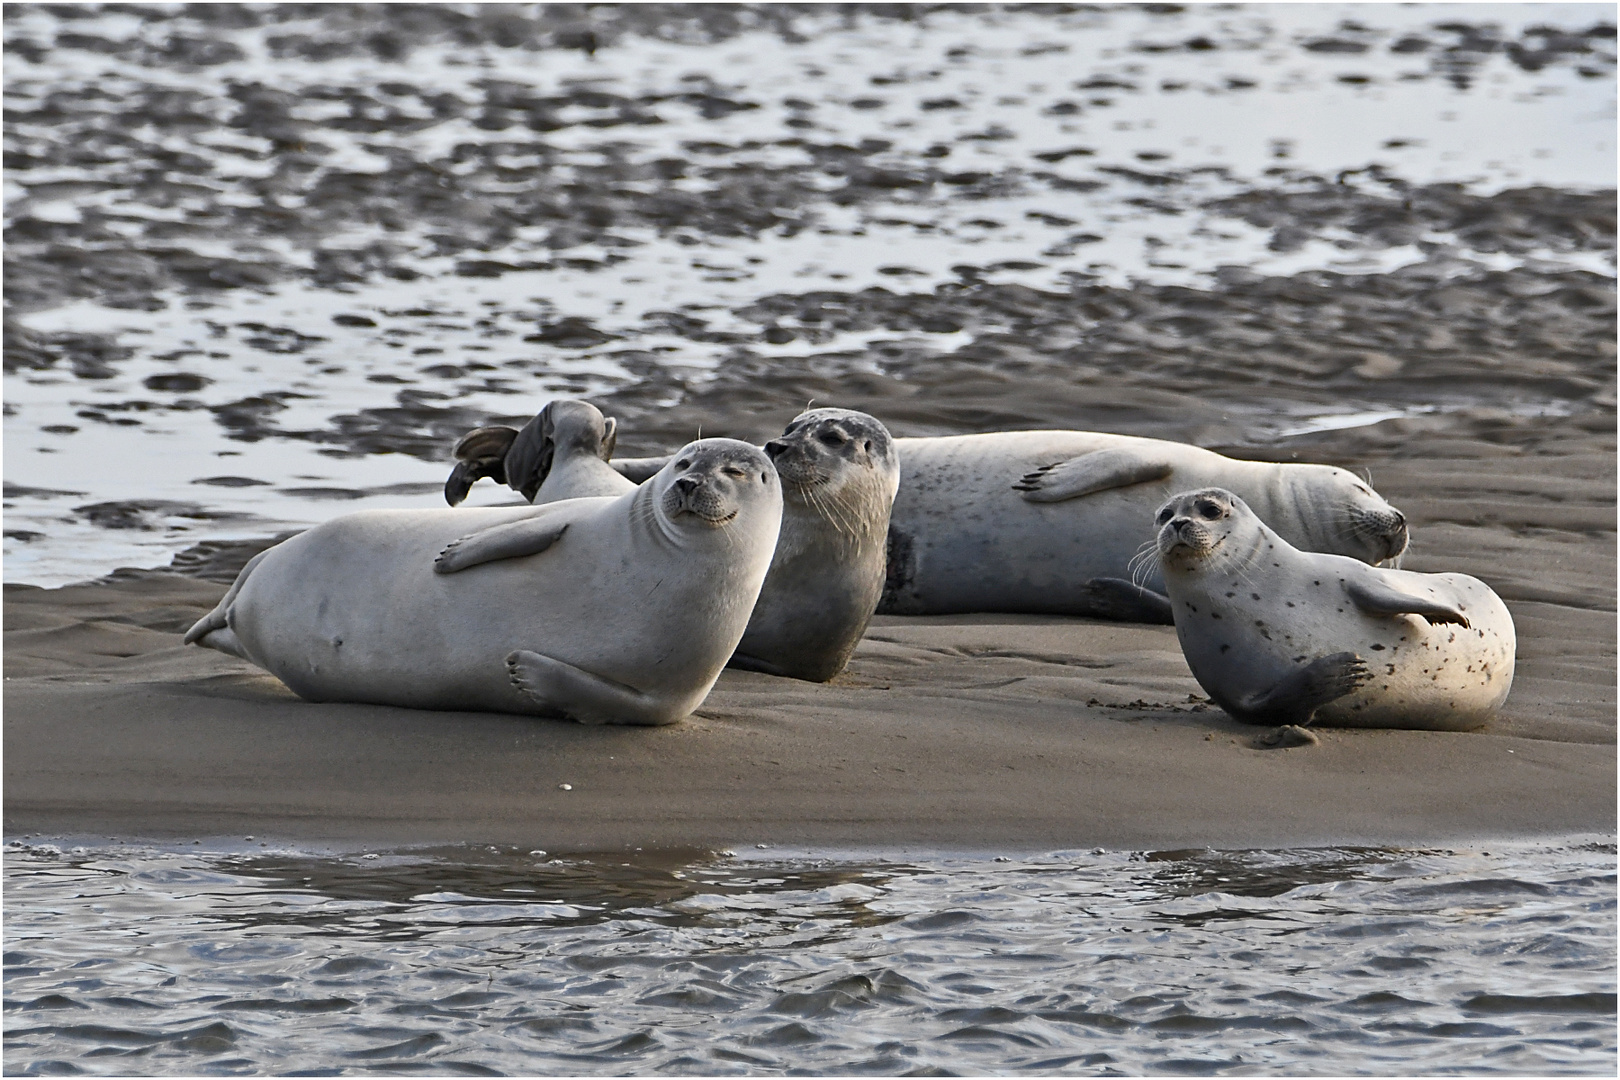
[{"x": 1367, "y": 961}]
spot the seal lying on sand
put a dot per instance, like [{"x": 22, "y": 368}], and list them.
[
  {"x": 1050, "y": 521},
  {"x": 561, "y": 454},
  {"x": 839, "y": 477},
  {"x": 1276, "y": 635},
  {"x": 608, "y": 610}
]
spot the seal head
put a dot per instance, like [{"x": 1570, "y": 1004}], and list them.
[
  {"x": 710, "y": 483},
  {"x": 1340, "y": 514}
]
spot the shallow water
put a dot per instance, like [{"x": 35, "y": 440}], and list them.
[
  {"x": 1349, "y": 961},
  {"x": 267, "y": 264}
]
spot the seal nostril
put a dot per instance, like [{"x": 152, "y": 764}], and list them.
[
  {"x": 773, "y": 448},
  {"x": 687, "y": 485}
]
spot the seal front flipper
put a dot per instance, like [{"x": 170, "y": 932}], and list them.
[
  {"x": 575, "y": 692},
  {"x": 638, "y": 470},
  {"x": 1099, "y": 470},
  {"x": 479, "y": 453},
  {"x": 1376, "y": 598},
  {"x": 743, "y": 662},
  {"x": 1126, "y": 601},
  {"x": 1295, "y": 699},
  {"x": 512, "y": 540}
]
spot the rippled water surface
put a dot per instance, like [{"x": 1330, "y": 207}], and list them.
[{"x": 126, "y": 961}]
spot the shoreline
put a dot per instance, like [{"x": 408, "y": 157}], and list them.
[{"x": 1004, "y": 733}]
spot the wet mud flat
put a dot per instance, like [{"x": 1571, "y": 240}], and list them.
[{"x": 265, "y": 264}]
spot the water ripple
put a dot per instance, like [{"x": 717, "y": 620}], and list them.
[{"x": 129, "y": 961}]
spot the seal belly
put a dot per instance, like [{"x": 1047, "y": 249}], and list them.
[{"x": 1438, "y": 677}]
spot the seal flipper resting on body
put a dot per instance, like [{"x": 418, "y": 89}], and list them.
[
  {"x": 608, "y": 610},
  {"x": 1276, "y": 635},
  {"x": 513, "y": 540},
  {"x": 1100, "y": 470},
  {"x": 562, "y": 453}
]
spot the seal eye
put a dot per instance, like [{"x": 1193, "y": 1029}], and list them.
[
  {"x": 832, "y": 438},
  {"x": 734, "y": 472},
  {"x": 1208, "y": 511},
  {"x": 1165, "y": 515},
  {"x": 684, "y": 463}
]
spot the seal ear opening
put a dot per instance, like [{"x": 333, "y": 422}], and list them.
[
  {"x": 610, "y": 437},
  {"x": 528, "y": 462}
]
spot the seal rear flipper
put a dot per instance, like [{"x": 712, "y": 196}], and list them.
[
  {"x": 1100, "y": 470},
  {"x": 638, "y": 470},
  {"x": 212, "y": 631},
  {"x": 575, "y": 692},
  {"x": 479, "y": 453},
  {"x": 528, "y": 461},
  {"x": 1376, "y": 598},
  {"x": 513, "y": 540},
  {"x": 1302, "y": 691},
  {"x": 1126, "y": 601}
]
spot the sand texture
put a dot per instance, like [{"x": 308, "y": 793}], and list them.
[{"x": 970, "y": 732}]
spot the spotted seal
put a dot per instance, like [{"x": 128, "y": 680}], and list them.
[
  {"x": 1050, "y": 521},
  {"x": 1276, "y": 635}
]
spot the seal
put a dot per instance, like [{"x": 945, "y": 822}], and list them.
[
  {"x": 1276, "y": 635},
  {"x": 607, "y": 610},
  {"x": 1049, "y": 522},
  {"x": 560, "y": 454},
  {"x": 839, "y": 475},
  {"x": 840, "y": 472}
]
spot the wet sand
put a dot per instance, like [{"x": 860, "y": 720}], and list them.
[{"x": 979, "y": 733}]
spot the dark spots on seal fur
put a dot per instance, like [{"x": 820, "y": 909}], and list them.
[
  {"x": 1378, "y": 648},
  {"x": 900, "y": 570},
  {"x": 1225, "y": 648},
  {"x": 1254, "y": 596}
]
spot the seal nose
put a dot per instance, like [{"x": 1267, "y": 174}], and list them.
[
  {"x": 774, "y": 447},
  {"x": 686, "y": 485}
]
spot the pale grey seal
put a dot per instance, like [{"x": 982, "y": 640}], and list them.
[
  {"x": 608, "y": 610},
  {"x": 1276, "y": 635},
  {"x": 560, "y": 454},
  {"x": 1050, "y": 521}
]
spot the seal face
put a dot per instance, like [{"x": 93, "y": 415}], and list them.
[
  {"x": 607, "y": 610},
  {"x": 839, "y": 474},
  {"x": 1051, "y": 521},
  {"x": 1276, "y": 635}
]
